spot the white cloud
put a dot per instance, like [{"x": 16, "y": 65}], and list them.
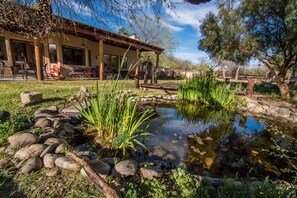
[
  {"x": 172, "y": 27},
  {"x": 188, "y": 14}
]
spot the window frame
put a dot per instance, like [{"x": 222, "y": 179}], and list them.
[
  {"x": 55, "y": 57},
  {"x": 73, "y": 56},
  {"x": 5, "y": 57}
]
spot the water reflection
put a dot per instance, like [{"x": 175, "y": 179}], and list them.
[{"x": 200, "y": 140}]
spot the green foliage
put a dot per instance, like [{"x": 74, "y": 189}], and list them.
[
  {"x": 37, "y": 131},
  {"x": 12, "y": 126},
  {"x": 232, "y": 188},
  {"x": 114, "y": 118},
  {"x": 208, "y": 92}
]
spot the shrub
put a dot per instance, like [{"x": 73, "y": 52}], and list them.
[{"x": 208, "y": 92}]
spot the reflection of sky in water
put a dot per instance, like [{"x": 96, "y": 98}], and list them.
[{"x": 248, "y": 126}]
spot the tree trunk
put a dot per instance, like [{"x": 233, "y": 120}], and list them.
[
  {"x": 224, "y": 72},
  {"x": 283, "y": 86},
  {"x": 237, "y": 73}
]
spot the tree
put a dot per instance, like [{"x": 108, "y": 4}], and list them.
[
  {"x": 265, "y": 29},
  {"x": 223, "y": 35},
  {"x": 123, "y": 31},
  {"x": 272, "y": 29},
  {"x": 18, "y": 16}
]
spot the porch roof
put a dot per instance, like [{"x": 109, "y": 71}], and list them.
[{"x": 93, "y": 33}]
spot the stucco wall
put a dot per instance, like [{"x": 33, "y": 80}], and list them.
[{"x": 67, "y": 40}]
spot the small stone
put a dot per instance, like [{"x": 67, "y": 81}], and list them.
[
  {"x": 60, "y": 149},
  {"x": 22, "y": 139},
  {"x": 43, "y": 115},
  {"x": 169, "y": 156},
  {"x": 125, "y": 168},
  {"x": 19, "y": 164},
  {"x": 151, "y": 172},
  {"x": 158, "y": 151},
  {"x": 110, "y": 160},
  {"x": 28, "y": 97},
  {"x": 53, "y": 108},
  {"x": 33, "y": 150},
  {"x": 67, "y": 163},
  {"x": 43, "y": 122},
  {"x": 49, "y": 160},
  {"x": 4, "y": 115},
  {"x": 45, "y": 136},
  {"x": 99, "y": 167},
  {"x": 213, "y": 181},
  {"x": 50, "y": 141},
  {"x": 48, "y": 149},
  {"x": 52, "y": 173},
  {"x": 31, "y": 165},
  {"x": 4, "y": 162}
]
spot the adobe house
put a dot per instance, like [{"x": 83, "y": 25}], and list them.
[{"x": 80, "y": 49}]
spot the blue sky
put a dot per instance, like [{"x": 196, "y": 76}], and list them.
[{"x": 184, "y": 21}]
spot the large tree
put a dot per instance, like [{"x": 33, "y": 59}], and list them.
[
  {"x": 267, "y": 32},
  {"x": 272, "y": 28},
  {"x": 223, "y": 36}
]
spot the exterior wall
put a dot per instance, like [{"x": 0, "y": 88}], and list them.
[{"x": 66, "y": 40}]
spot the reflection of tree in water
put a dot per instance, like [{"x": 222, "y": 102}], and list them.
[{"x": 199, "y": 113}]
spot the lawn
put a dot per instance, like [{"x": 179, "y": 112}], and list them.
[{"x": 54, "y": 92}]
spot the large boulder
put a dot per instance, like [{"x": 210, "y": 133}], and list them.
[
  {"x": 4, "y": 115},
  {"x": 32, "y": 164},
  {"x": 125, "y": 168},
  {"x": 99, "y": 167},
  {"x": 33, "y": 150},
  {"x": 22, "y": 139},
  {"x": 67, "y": 163},
  {"x": 29, "y": 97}
]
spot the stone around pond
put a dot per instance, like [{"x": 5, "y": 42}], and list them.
[
  {"x": 60, "y": 149},
  {"x": 125, "y": 168},
  {"x": 67, "y": 163},
  {"x": 110, "y": 160},
  {"x": 22, "y": 139},
  {"x": 52, "y": 172},
  {"x": 49, "y": 160},
  {"x": 33, "y": 150},
  {"x": 48, "y": 149},
  {"x": 31, "y": 165},
  {"x": 54, "y": 140},
  {"x": 43, "y": 122},
  {"x": 151, "y": 172},
  {"x": 101, "y": 168}
]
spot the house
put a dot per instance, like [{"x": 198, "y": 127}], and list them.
[{"x": 79, "y": 49}]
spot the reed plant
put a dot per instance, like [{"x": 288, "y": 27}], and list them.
[
  {"x": 208, "y": 92},
  {"x": 114, "y": 118}
]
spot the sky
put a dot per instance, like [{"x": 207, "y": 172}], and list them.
[{"x": 184, "y": 21}]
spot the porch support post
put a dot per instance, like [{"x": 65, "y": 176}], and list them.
[
  {"x": 136, "y": 78},
  {"x": 8, "y": 51},
  {"x": 157, "y": 67},
  {"x": 87, "y": 57},
  {"x": 46, "y": 57},
  {"x": 101, "y": 60},
  {"x": 37, "y": 58}
]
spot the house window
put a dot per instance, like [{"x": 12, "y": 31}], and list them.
[
  {"x": 107, "y": 62},
  {"x": 19, "y": 49},
  {"x": 3, "y": 54},
  {"x": 53, "y": 53},
  {"x": 73, "y": 56},
  {"x": 90, "y": 59},
  {"x": 114, "y": 64},
  {"x": 125, "y": 63}
]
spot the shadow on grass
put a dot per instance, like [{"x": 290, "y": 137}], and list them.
[{"x": 8, "y": 188}]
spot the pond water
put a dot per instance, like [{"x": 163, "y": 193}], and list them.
[{"x": 212, "y": 143}]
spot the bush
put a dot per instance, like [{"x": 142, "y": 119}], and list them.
[{"x": 208, "y": 92}]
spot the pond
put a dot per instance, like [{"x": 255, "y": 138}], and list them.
[{"x": 213, "y": 143}]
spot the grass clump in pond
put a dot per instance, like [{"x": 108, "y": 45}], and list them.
[
  {"x": 208, "y": 92},
  {"x": 115, "y": 119}
]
